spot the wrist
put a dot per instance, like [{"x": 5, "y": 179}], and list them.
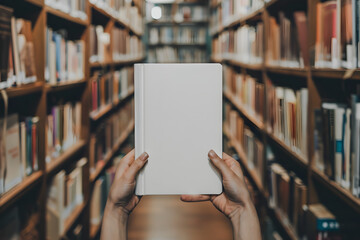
[
  {"x": 116, "y": 212},
  {"x": 247, "y": 209}
]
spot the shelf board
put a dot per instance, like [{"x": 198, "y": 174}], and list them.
[
  {"x": 70, "y": 221},
  {"x": 255, "y": 67},
  {"x": 96, "y": 115},
  {"x": 94, "y": 230},
  {"x": 300, "y": 72},
  {"x": 64, "y": 85},
  {"x": 64, "y": 157},
  {"x": 19, "y": 190},
  {"x": 298, "y": 158},
  {"x": 25, "y": 89},
  {"x": 339, "y": 191},
  {"x": 335, "y": 73},
  {"x": 37, "y": 3},
  {"x": 243, "y": 159},
  {"x": 286, "y": 227},
  {"x": 238, "y": 106},
  {"x": 65, "y": 16},
  {"x": 112, "y": 152},
  {"x": 119, "y": 62}
]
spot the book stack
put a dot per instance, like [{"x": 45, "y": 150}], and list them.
[
  {"x": 287, "y": 115},
  {"x": 288, "y": 195},
  {"x": 18, "y": 59},
  {"x": 108, "y": 134},
  {"x": 125, "y": 46},
  {"x": 101, "y": 191},
  {"x": 191, "y": 35},
  {"x": 75, "y": 8},
  {"x": 337, "y": 139},
  {"x": 65, "y": 194},
  {"x": 233, "y": 10},
  {"x": 287, "y": 40},
  {"x": 100, "y": 44},
  {"x": 164, "y": 35},
  {"x": 19, "y": 154},
  {"x": 110, "y": 88},
  {"x": 251, "y": 146},
  {"x": 247, "y": 91},
  {"x": 64, "y": 58},
  {"x": 337, "y": 34},
  {"x": 63, "y": 129}
]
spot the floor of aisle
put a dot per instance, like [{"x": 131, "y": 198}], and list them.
[{"x": 167, "y": 218}]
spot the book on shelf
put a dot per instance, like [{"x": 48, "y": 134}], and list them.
[
  {"x": 337, "y": 34},
  {"x": 244, "y": 44},
  {"x": 5, "y": 36},
  {"x": 169, "y": 54},
  {"x": 287, "y": 40},
  {"x": 233, "y": 10},
  {"x": 65, "y": 194},
  {"x": 101, "y": 191},
  {"x": 99, "y": 44},
  {"x": 161, "y": 108},
  {"x": 76, "y": 8},
  {"x": 63, "y": 129},
  {"x": 247, "y": 91},
  {"x": 287, "y": 114},
  {"x": 20, "y": 150},
  {"x": 124, "y": 45},
  {"x": 110, "y": 88},
  {"x": 107, "y": 135},
  {"x": 336, "y": 143},
  {"x": 288, "y": 196},
  {"x": 191, "y": 35},
  {"x": 64, "y": 58},
  {"x": 195, "y": 13}
]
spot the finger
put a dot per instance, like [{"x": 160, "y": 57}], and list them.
[
  {"x": 194, "y": 198},
  {"x": 233, "y": 165},
  {"x": 125, "y": 163},
  {"x": 221, "y": 165},
  {"x": 135, "y": 167}
]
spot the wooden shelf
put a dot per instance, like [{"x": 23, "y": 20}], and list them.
[
  {"x": 286, "y": 227},
  {"x": 335, "y": 73},
  {"x": 62, "y": 86},
  {"x": 94, "y": 230},
  {"x": 255, "y": 67},
  {"x": 112, "y": 63},
  {"x": 70, "y": 221},
  {"x": 298, "y": 158},
  {"x": 240, "y": 108},
  {"x": 95, "y": 116},
  {"x": 337, "y": 190},
  {"x": 112, "y": 152},
  {"x": 36, "y": 3},
  {"x": 300, "y": 72},
  {"x": 243, "y": 159},
  {"x": 25, "y": 89},
  {"x": 64, "y": 157},
  {"x": 65, "y": 16},
  {"x": 19, "y": 190}
]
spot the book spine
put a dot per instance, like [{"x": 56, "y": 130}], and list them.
[
  {"x": 29, "y": 169},
  {"x": 139, "y": 123}
]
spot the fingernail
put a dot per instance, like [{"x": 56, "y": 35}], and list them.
[
  {"x": 144, "y": 156},
  {"x": 212, "y": 153}
]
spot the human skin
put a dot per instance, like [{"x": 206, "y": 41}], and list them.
[{"x": 235, "y": 201}]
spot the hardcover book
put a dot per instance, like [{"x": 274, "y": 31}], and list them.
[{"x": 178, "y": 120}]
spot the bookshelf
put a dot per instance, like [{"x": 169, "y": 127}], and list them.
[
  {"x": 322, "y": 84},
  {"x": 39, "y": 98}
]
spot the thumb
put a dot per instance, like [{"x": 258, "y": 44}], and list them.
[{"x": 225, "y": 171}]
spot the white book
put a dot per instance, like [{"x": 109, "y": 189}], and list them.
[{"x": 178, "y": 120}]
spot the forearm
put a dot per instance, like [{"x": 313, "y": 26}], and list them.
[
  {"x": 114, "y": 225},
  {"x": 246, "y": 224}
]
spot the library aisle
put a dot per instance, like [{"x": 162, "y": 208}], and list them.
[{"x": 166, "y": 217}]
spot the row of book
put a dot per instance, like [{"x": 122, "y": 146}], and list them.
[
  {"x": 180, "y": 35},
  {"x": 65, "y": 194},
  {"x": 117, "y": 46},
  {"x": 244, "y": 44},
  {"x": 64, "y": 58},
  {"x": 17, "y": 62},
  {"x": 107, "y": 134},
  {"x": 75, "y": 8},
  {"x": 288, "y": 195},
  {"x": 337, "y": 34},
  {"x": 287, "y": 116},
  {"x": 19, "y": 148},
  {"x": 337, "y": 143},
  {"x": 287, "y": 40},
  {"x": 101, "y": 191},
  {"x": 191, "y": 13},
  {"x": 111, "y": 87},
  {"x": 252, "y": 147},
  {"x": 247, "y": 91},
  {"x": 63, "y": 129},
  {"x": 123, "y": 11},
  {"x": 174, "y": 55},
  {"x": 231, "y": 11}
]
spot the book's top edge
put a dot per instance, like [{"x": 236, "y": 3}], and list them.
[{"x": 156, "y": 64}]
